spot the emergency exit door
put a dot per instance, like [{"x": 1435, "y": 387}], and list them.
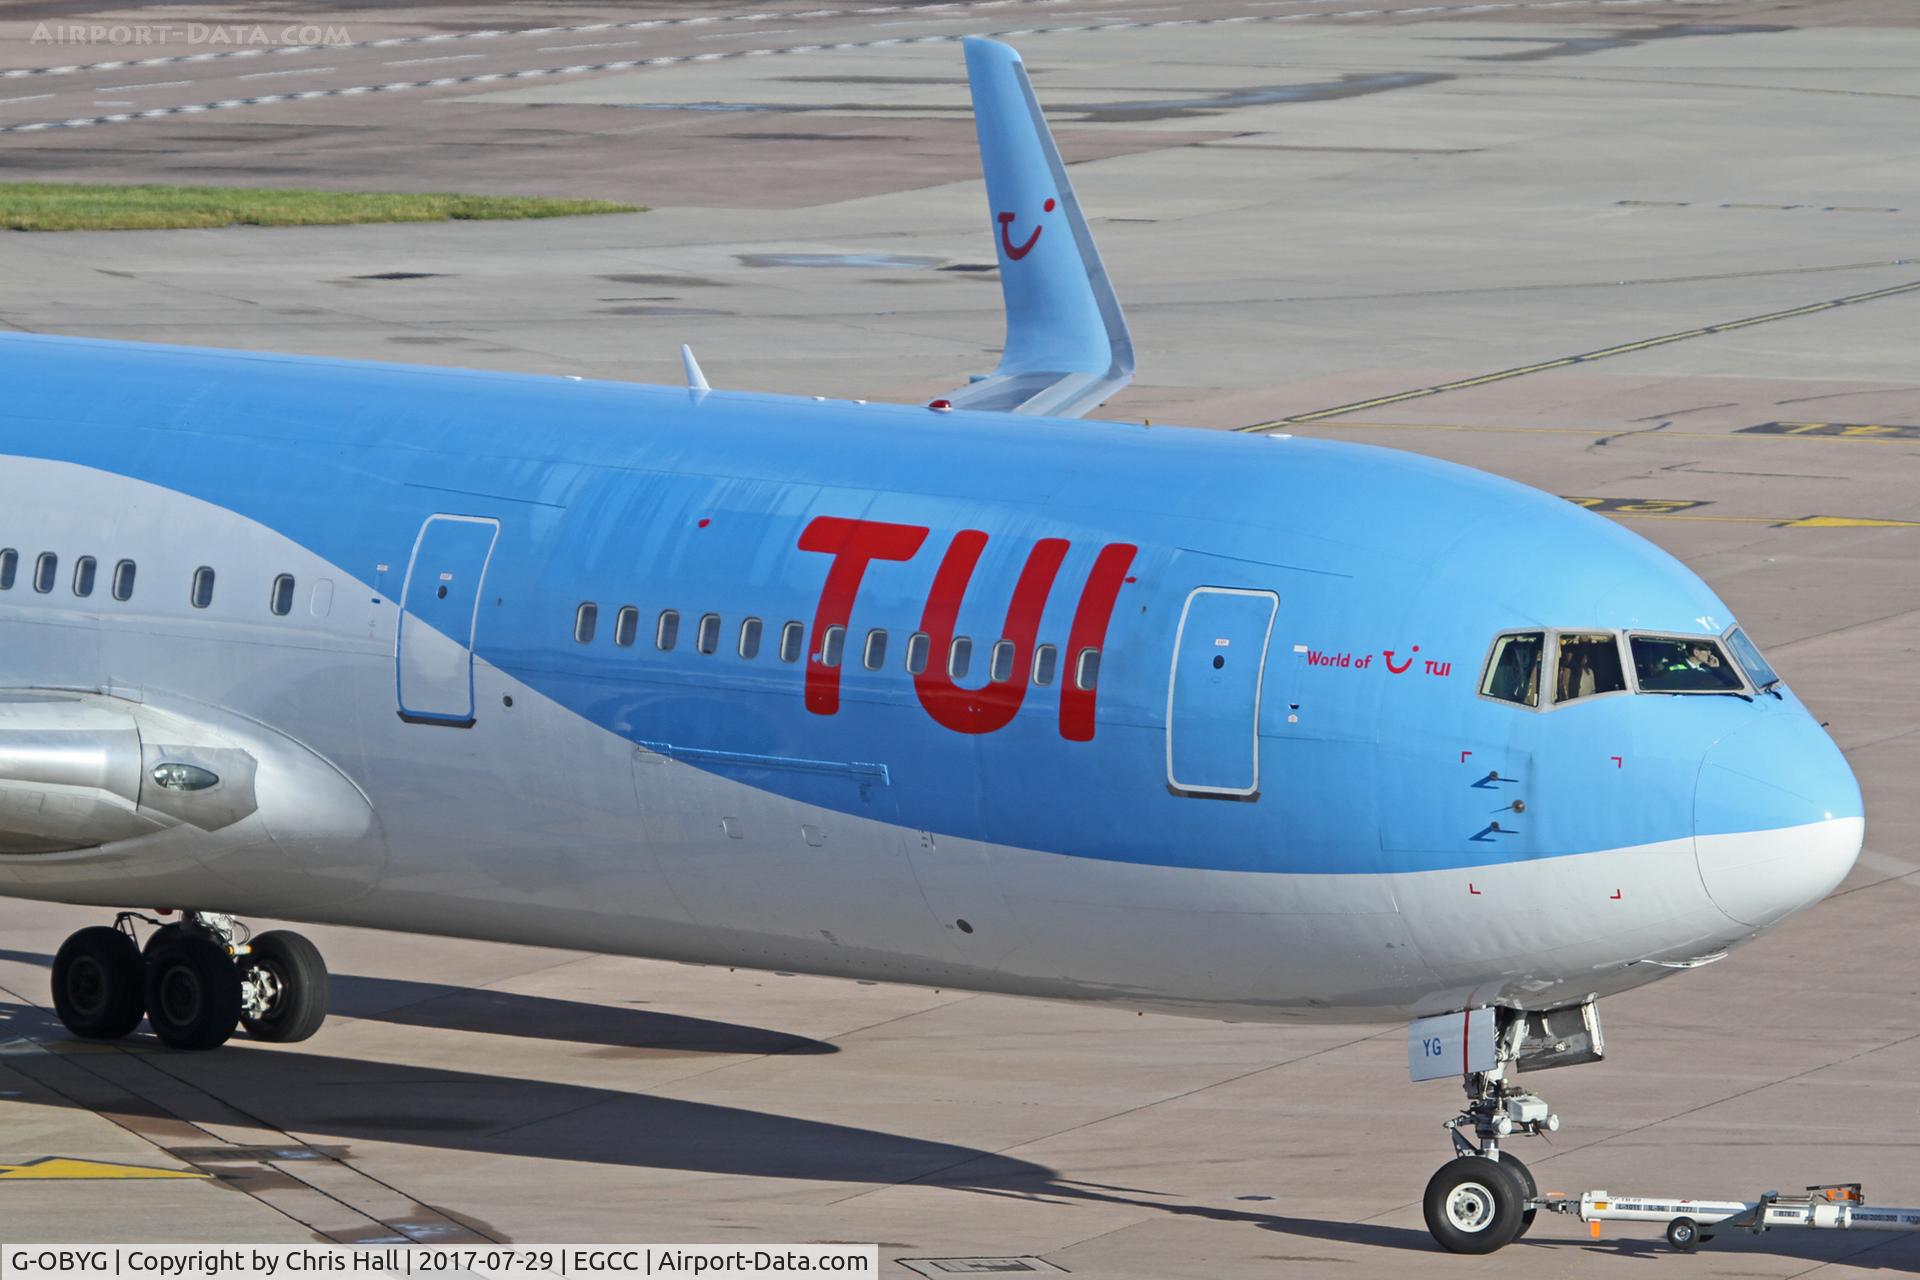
[
  {"x": 1213, "y": 698},
  {"x": 439, "y": 610}
]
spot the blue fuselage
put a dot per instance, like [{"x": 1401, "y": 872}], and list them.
[{"x": 1283, "y": 734}]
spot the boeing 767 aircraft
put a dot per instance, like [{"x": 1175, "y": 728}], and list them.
[{"x": 968, "y": 694}]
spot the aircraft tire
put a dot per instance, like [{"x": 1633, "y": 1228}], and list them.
[
  {"x": 1473, "y": 1205},
  {"x": 1528, "y": 1190},
  {"x": 193, "y": 993},
  {"x": 97, "y": 984},
  {"x": 299, "y": 980}
]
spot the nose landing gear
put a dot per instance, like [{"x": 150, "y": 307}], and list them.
[
  {"x": 1484, "y": 1199},
  {"x": 1476, "y": 1205},
  {"x": 196, "y": 982}
]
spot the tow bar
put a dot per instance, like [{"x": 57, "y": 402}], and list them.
[{"x": 1836, "y": 1207}]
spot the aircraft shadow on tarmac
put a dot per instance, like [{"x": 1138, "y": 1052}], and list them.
[
  {"x": 448, "y": 1008},
  {"x": 331, "y": 1103}
]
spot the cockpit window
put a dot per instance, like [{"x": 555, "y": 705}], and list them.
[
  {"x": 1589, "y": 664},
  {"x": 1683, "y": 664},
  {"x": 1748, "y": 655},
  {"x": 1513, "y": 670}
]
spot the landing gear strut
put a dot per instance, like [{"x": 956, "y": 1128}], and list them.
[{"x": 196, "y": 982}]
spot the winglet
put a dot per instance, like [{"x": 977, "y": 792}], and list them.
[
  {"x": 696, "y": 380},
  {"x": 1067, "y": 346}
]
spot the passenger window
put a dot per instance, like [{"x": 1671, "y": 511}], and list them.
[
  {"x": 1513, "y": 669},
  {"x": 626, "y": 626},
  {"x": 44, "y": 571},
  {"x": 1676, "y": 664},
  {"x": 1000, "y": 662},
  {"x": 202, "y": 593},
  {"x": 707, "y": 637},
  {"x": 83, "y": 573},
  {"x": 9, "y": 568},
  {"x": 831, "y": 645},
  {"x": 585, "y": 619},
  {"x": 281, "y": 600},
  {"x": 1046, "y": 660},
  {"x": 122, "y": 580},
  {"x": 750, "y": 638},
  {"x": 793, "y": 642},
  {"x": 874, "y": 655},
  {"x": 919, "y": 644},
  {"x": 1086, "y": 669},
  {"x": 959, "y": 657},
  {"x": 666, "y": 632},
  {"x": 1589, "y": 664}
]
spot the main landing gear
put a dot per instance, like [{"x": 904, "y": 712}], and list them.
[{"x": 195, "y": 982}]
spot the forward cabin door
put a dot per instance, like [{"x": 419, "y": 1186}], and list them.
[
  {"x": 439, "y": 609},
  {"x": 1213, "y": 697}
]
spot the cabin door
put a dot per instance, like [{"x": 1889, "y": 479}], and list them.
[
  {"x": 1213, "y": 696},
  {"x": 439, "y": 609}
]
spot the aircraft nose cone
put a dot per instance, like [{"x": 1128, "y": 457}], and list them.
[{"x": 1777, "y": 819}]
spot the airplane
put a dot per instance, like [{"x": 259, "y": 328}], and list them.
[{"x": 972, "y": 694}]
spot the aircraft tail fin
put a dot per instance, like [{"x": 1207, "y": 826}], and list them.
[{"x": 1067, "y": 347}]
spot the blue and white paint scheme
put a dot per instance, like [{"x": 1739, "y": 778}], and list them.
[{"x": 630, "y": 669}]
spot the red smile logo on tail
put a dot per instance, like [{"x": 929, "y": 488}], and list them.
[{"x": 1019, "y": 251}]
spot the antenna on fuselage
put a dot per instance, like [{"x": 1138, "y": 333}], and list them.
[{"x": 696, "y": 380}]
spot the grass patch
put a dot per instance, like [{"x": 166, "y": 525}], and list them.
[{"x": 63, "y": 206}]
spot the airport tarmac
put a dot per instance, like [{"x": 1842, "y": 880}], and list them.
[{"x": 1657, "y": 257}]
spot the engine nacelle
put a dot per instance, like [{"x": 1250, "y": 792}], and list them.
[{"x": 102, "y": 798}]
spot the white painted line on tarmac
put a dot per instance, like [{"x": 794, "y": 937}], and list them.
[
  {"x": 32, "y": 97},
  {"x": 600, "y": 44},
  {"x": 292, "y": 71},
  {"x": 154, "y": 84},
  {"x": 421, "y": 62},
  {"x": 394, "y": 42},
  {"x": 632, "y": 64}
]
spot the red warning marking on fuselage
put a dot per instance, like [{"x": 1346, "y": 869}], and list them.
[
  {"x": 1470, "y": 889},
  {"x": 1616, "y": 896},
  {"x": 1464, "y": 755},
  {"x": 1618, "y": 763},
  {"x": 1019, "y": 251}
]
